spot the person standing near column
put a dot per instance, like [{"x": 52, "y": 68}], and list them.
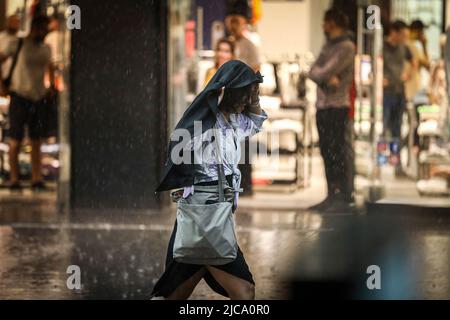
[
  {"x": 246, "y": 51},
  {"x": 333, "y": 74},
  {"x": 395, "y": 56},
  {"x": 416, "y": 90},
  {"x": 28, "y": 98}
]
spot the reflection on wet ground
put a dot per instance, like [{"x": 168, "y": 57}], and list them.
[{"x": 289, "y": 252}]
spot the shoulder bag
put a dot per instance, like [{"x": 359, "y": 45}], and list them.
[
  {"x": 206, "y": 232},
  {"x": 7, "y": 81}
]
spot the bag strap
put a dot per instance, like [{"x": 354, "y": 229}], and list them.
[
  {"x": 14, "y": 62},
  {"x": 220, "y": 168}
]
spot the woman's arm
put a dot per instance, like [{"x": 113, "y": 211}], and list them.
[
  {"x": 255, "y": 107},
  {"x": 250, "y": 122}
]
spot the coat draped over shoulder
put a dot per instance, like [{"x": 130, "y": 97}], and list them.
[{"x": 233, "y": 74}]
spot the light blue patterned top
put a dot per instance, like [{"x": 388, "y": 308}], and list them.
[{"x": 232, "y": 133}]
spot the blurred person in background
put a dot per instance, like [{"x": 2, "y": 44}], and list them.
[
  {"x": 224, "y": 53},
  {"x": 245, "y": 50},
  {"x": 333, "y": 74},
  {"x": 28, "y": 98},
  {"x": 437, "y": 91},
  {"x": 36, "y": 9},
  {"x": 416, "y": 92},
  {"x": 53, "y": 41},
  {"x": 395, "y": 55},
  {"x": 10, "y": 34}
]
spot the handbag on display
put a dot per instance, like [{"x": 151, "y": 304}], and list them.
[{"x": 206, "y": 232}]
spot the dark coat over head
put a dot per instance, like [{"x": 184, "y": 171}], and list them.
[{"x": 233, "y": 74}]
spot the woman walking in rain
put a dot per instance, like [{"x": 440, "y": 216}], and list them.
[{"x": 203, "y": 244}]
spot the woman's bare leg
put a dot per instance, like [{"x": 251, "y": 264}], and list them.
[
  {"x": 184, "y": 291},
  {"x": 237, "y": 288}
]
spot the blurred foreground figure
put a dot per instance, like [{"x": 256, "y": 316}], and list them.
[
  {"x": 333, "y": 74},
  {"x": 366, "y": 257}
]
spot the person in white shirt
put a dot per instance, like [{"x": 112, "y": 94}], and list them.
[
  {"x": 29, "y": 97},
  {"x": 246, "y": 51}
]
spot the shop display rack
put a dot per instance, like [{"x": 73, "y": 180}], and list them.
[
  {"x": 289, "y": 129},
  {"x": 434, "y": 153},
  {"x": 284, "y": 96}
]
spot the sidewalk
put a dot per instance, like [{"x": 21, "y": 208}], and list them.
[
  {"x": 300, "y": 199},
  {"x": 27, "y": 206},
  {"x": 401, "y": 195},
  {"x": 121, "y": 255},
  {"x": 288, "y": 200},
  {"x": 405, "y": 191},
  {"x": 397, "y": 191}
]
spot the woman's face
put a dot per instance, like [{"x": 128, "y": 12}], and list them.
[
  {"x": 244, "y": 100},
  {"x": 223, "y": 53},
  {"x": 240, "y": 106}
]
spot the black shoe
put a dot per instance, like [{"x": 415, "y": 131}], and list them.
[
  {"x": 340, "y": 205},
  {"x": 39, "y": 186},
  {"x": 15, "y": 187},
  {"x": 322, "y": 205}
]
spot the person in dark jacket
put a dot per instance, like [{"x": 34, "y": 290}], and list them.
[
  {"x": 333, "y": 74},
  {"x": 229, "y": 104},
  {"x": 396, "y": 54}
]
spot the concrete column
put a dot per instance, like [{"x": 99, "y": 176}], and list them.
[{"x": 118, "y": 104}]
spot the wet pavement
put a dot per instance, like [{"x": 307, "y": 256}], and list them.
[
  {"x": 290, "y": 252},
  {"x": 124, "y": 260}
]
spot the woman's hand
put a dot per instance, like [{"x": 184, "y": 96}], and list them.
[
  {"x": 255, "y": 95},
  {"x": 254, "y": 100}
]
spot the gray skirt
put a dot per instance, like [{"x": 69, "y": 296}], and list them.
[{"x": 177, "y": 273}]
